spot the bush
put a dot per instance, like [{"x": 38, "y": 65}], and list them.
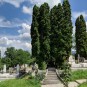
[
  {"x": 40, "y": 76},
  {"x": 66, "y": 74},
  {"x": 43, "y": 65}
]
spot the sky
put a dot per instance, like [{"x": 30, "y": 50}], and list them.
[{"x": 16, "y": 19}]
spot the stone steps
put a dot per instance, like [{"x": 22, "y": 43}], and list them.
[{"x": 51, "y": 77}]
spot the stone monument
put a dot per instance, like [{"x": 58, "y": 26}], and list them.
[{"x": 4, "y": 68}]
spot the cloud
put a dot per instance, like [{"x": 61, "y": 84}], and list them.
[
  {"x": 50, "y": 2},
  {"x": 76, "y": 14},
  {"x": 27, "y": 10},
  {"x": 21, "y": 41},
  {"x": 24, "y": 33},
  {"x": 12, "y": 23},
  {"x": 15, "y": 3},
  {"x": 18, "y": 44}
]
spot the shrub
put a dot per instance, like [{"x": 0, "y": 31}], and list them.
[
  {"x": 40, "y": 76},
  {"x": 43, "y": 65}
]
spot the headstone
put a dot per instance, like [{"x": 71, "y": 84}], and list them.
[
  {"x": 18, "y": 69},
  {"x": 26, "y": 65},
  {"x": 4, "y": 68},
  {"x": 78, "y": 58},
  {"x": 71, "y": 60}
]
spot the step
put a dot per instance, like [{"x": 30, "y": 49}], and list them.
[
  {"x": 53, "y": 85},
  {"x": 51, "y": 78},
  {"x": 48, "y": 82}
]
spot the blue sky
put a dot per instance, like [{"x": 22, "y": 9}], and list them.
[{"x": 16, "y": 17}]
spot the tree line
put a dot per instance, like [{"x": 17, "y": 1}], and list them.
[
  {"x": 51, "y": 33},
  {"x": 15, "y": 56}
]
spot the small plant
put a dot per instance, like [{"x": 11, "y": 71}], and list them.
[
  {"x": 39, "y": 76},
  {"x": 43, "y": 65},
  {"x": 67, "y": 72}
]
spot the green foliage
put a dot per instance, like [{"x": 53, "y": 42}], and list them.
[
  {"x": 51, "y": 33},
  {"x": 83, "y": 85},
  {"x": 1, "y": 65},
  {"x": 81, "y": 36},
  {"x": 67, "y": 72},
  {"x": 40, "y": 76},
  {"x": 14, "y": 57},
  {"x": 43, "y": 65},
  {"x": 44, "y": 31},
  {"x": 79, "y": 74},
  {"x": 67, "y": 29},
  {"x": 6, "y": 61},
  {"x": 34, "y": 33},
  {"x": 56, "y": 34},
  {"x": 20, "y": 83}
]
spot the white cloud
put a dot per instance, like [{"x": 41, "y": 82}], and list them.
[
  {"x": 18, "y": 44},
  {"x": 12, "y": 23},
  {"x": 25, "y": 31},
  {"x": 25, "y": 28},
  {"x": 21, "y": 41},
  {"x": 27, "y": 10},
  {"x": 76, "y": 14},
  {"x": 15, "y": 3},
  {"x": 50, "y": 2}
]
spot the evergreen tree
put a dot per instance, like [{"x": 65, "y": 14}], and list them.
[
  {"x": 81, "y": 37},
  {"x": 53, "y": 36},
  {"x": 34, "y": 33},
  {"x": 56, "y": 34},
  {"x": 59, "y": 39},
  {"x": 67, "y": 29},
  {"x": 44, "y": 31}
]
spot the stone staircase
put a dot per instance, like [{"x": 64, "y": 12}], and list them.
[{"x": 51, "y": 77}]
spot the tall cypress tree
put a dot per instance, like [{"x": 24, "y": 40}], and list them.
[
  {"x": 81, "y": 39},
  {"x": 59, "y": 45},
  {"x": 57, "y": 48},
  {"x": 53, "y": 36},
  {"x": 67, "y": 28},
  {"x": 34, "y": 33},
  {"x": 44, "y": 31}
]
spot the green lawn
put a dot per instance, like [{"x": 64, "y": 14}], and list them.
[
  {"x": 20, "y": 83},
  {"x": 79, "y": 74},
  {"x": 83, "y": 85}
]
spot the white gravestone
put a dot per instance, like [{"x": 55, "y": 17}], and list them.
[
  {"x": 18, "y": 69},
  {"x": 4, "y": 68}
]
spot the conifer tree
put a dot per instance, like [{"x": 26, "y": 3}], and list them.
[
  {"x": 53, "y": 36},
  {"x": 81, "y": 37},
  {"x": 67, "y": 29},
  {"x": 34, "y": 33},
  {"x": 44, "y": 31},
  {"x": 59, "y": 46}
]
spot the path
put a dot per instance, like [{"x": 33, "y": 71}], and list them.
[{"x": 51, "y": 80}]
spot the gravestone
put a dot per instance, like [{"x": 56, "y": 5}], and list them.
[
  {"x": 4, "y": 68},
  {"x": 78, "y": 58},
  {"x": 71, "y": 59},
  {"x": 18, "y": 69}
]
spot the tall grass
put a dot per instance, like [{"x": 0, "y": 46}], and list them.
[
  {"x": 79, "y": 74},
  {"x": 20, "y": 83},
  {"x": 83, "y": 85}
]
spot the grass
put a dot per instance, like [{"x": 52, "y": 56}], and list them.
[
  {"x": 79, "y": 74},
  {"x": 20, "y": 83},
  {"x": 83, "y": 85}
]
